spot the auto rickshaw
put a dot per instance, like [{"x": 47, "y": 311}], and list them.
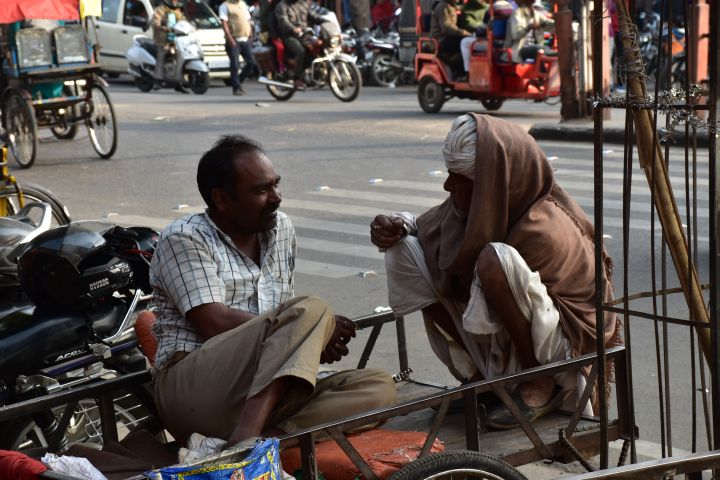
[
  {"x": 49, "y": 78},
  {"x": 493, "y": 76}
]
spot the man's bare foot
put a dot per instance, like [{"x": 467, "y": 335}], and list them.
[{"x": 538, "y": 392}]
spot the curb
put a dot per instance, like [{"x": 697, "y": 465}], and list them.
[{"x": 566, "y": 133}]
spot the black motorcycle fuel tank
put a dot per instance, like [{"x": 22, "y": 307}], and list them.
[{"x": 31, "y": 338}]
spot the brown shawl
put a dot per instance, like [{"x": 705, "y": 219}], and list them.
[{"x": 516, "y": 201}]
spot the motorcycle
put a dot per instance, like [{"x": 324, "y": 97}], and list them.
[
  {"x": 387, "y": 70},
  {"x": 329, "y": 66},
  {"x": 68, "y": 301},
  {"x": 184, "y": 66}
]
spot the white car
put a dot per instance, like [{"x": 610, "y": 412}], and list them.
[{"x": 123, "y": 19}]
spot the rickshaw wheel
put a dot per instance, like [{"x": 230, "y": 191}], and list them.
[
  {"x": 101, "y": 124},
  {"x": 431, "y": 95},
  {"x": 461, "y": 464},
  {"x": 18, "y": 118},
  {"x": 492, "y": 104}
]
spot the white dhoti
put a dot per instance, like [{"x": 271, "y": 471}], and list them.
[{"x": 411, "y": 288}]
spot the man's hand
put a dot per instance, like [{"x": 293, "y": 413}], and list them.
[
  {"x": 298, "y": 31},
  {"x": 386, "y": 231},
  {"x": 337, "y": 346}
]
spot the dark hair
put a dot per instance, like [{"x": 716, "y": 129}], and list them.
[{"x": 216, "y": 168}]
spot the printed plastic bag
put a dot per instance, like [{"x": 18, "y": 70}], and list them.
[{"x": 263, "y": 463}]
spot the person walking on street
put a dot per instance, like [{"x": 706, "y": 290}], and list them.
[
  {"x": 165, "y": 15},
  {"x": 238, "y": 27}
]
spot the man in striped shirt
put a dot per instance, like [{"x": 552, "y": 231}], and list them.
[{"x": 238, "y": 354}]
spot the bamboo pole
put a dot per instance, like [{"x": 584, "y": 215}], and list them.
[{"x": 653, "y": 164}]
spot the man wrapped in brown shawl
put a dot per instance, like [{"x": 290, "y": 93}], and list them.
[{"x": 506, "y": 264}]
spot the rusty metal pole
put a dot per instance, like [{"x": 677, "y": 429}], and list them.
[{"x": 570, "y": 106}]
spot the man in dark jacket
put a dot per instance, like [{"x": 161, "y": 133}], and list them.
[
  {"x": 293, "y": 17},
  {"x": 444, "y": 27}
]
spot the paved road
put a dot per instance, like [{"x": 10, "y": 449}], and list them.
[{"x": 341, "y": 164}]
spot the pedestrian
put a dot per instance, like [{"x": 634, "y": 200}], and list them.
[
  {"x": 238, "y": 27},
  {"x": 238, "y": 353}
]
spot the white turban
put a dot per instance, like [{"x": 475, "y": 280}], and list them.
[{"x": 459, "y": 148}]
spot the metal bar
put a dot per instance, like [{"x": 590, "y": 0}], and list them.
[
  {"x": 402, "y": 344},
  {"x": 427, "y": 401},
  {"x": 352, "y": 453},
  {"x": 435, "y": 427},
  {"x": 307, "y": 453},
  {"x": 373, "y": 319},
  {"x": 656, "y": 317},
  {"x": 107, "y": 417},
  {"x": 530, "y": 432},
  {"x": 472, "y": 430},
  {"x": 657, "y": 468},
  {"x": 59, "y": 434},
  {"x": 61, "y": 398},
  {"x": 369, "y": 345},
  {"x": 597, "y": 66},
  {"x": 714, "y": 61},
  {"x": 583, "y": 401}
]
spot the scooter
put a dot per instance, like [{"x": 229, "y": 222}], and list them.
[
  {"x": 46, "y": 349},
  {"x": 184, "y": 66}
]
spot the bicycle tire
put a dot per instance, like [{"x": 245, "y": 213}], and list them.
[
  {"x": 36, "y": 193},
  {"x": 460, "y": 464}
]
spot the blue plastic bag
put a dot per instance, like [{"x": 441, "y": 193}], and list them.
[{"x": 263, "y": 463}]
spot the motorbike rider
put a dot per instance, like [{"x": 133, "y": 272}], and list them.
[
  {"x": 166, "y": 14},
  {"x": 293, "y": 17},
  {"x": 444, "y": 28}
]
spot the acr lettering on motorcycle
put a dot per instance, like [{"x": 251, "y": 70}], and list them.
[{"x": 70, "y": 354}]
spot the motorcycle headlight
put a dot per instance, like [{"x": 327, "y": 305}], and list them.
[{"x": 335, "y": 41}]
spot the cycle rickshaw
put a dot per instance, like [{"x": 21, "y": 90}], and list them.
[{"x": 50, "y": 79}]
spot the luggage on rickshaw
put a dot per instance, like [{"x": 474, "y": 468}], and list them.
[{"x": 49, "y": 78}]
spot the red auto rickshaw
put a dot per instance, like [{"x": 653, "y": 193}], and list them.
[{"x": 493, "y": 76}]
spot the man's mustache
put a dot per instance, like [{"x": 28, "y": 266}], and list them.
[{"x": 270, "y": 208}]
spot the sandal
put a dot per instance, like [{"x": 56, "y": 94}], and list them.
[{"x": 502, "y": 419}]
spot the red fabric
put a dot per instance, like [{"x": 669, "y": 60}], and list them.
[
  {"x": 16, "y": 10},
  {"x": 16, "y": 466},
  {"x": 146, "y": 338},
  {"x": 385, "y": 451},
  {"x": 382, "y": 11}
]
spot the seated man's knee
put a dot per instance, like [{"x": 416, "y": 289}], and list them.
[
  {"x": 315, "y": 307},
  {"x": 488, "y": 267},
  {"x": 381, "y": 390}
]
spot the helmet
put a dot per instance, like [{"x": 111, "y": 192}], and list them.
[{"x": 78, "y": 265}]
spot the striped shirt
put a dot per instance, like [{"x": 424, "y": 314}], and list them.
[{"x": 195, "y": 263}]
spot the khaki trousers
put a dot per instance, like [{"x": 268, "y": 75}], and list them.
[{"x": 205, "y": 391}]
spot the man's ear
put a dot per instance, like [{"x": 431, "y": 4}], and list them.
[{"x": 220, "y": 198}]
